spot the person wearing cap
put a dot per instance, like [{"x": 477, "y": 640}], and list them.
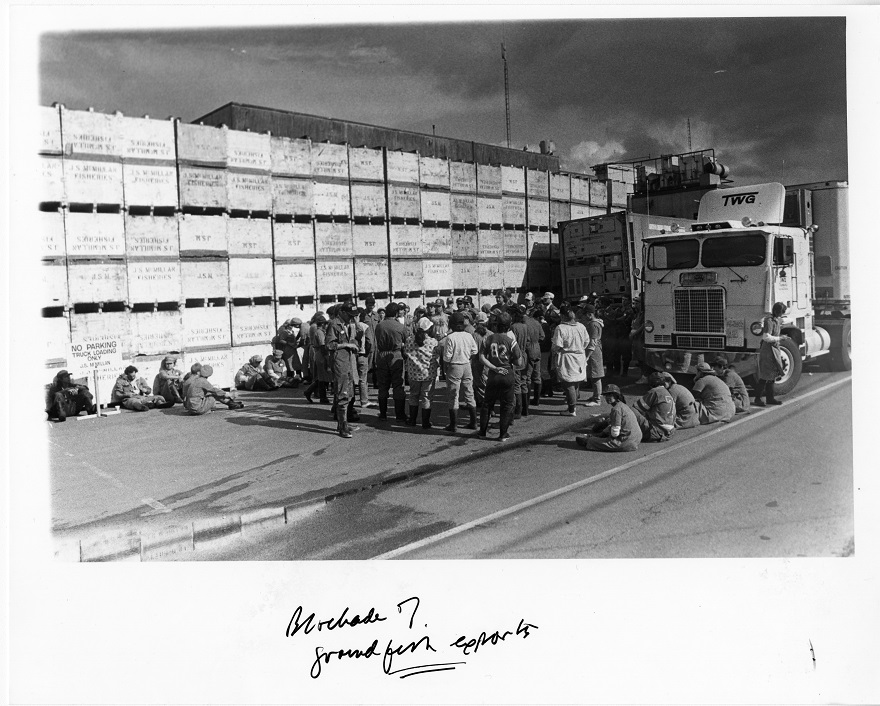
[
  {"x": 200, "y": 395},
  {"x": 769, "y": 357},
  {"x": 551, "y": 313},
  {"x": 390, "y": 343},
  {"x": 713, "y": 398},
  {"x": 570, "y": 341},
  {"x": 619, "y": 430},
  {"x": 533, "y": 354},
  {"x": 168, "y": 382},
  {"x": 440, "y": 320},
  {"x": 343, "y": 347},
  {"x": 595, "y": 363},
  {"x": 194, "y": 371},
  {"x": 499, "y": 353},
  {"x": 481, "y": 322},
  {"x": 132, "y": 392},
  {"x": 366, "y": 346},
  {"x": 275, "y": 369},
  {"x": 522, "y": 370},
  {"x": 65, "y": 398},
  {"x": 318, "y": 359},
  {"x": 655, "y": 410},
  {"x": 457, "y": 350},
  {"x": 287, "y": 341},
  {"x": 725, "y": 372},
  {"x": 529, "y": 301},
  {"x": 422, "y": 361},
  {"x": 252, "y": 376},
  {"x": 686, "y": 414}
]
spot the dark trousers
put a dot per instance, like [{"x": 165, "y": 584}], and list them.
[
  {"x": 389, "y": 376},
  {"x": 69, "y": 403},
  {"x": 499, "y": 388},
  {"x": 765, "y": 387}
]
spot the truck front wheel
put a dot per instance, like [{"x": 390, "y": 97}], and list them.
[{"x": 791, "y": 367}]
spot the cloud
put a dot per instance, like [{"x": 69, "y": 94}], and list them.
[{"x": 582, "y": 156}]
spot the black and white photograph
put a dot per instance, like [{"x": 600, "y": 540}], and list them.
[{"x": 506, "y": 349}]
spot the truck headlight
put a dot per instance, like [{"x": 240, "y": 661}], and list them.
[
  {"x": 756, "y": 328},
  {"x": 649, "y": 326}
]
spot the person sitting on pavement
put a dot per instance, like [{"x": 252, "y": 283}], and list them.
[
  {"x": 734, "y": 382},
  {"x": 65, "y": 398},
  {"x": 194, "y": 371},
  {"x": 619, "y": 430},
  {"x": 457, "y": 350},
  {"x": 200, "y": 395},
  {"x": 422, "y": 361},
  {"x": 168, "y": 382},
  {"x": 252, "y": 376},
  {"x": 275, "y": 369},
  {"x": 499, "y": 353},
  {"x": 686, "y": 415},
  {"x": 570, "y": 341},
  {"x": 132, "y": 392},
  {"x": 655, "y": 410},
  {"x": 714, "y": 402}
]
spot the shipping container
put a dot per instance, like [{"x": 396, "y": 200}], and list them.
[
  {"x": 370, "y": 240},
  {"x": 203, "y": 235},
  {"x": 250, "y": 277},
  {"x": 404, "y": 240},
  {"x": 333, "y": 240},
  {"x": 247, "y": 191},
  {"x": 204, "y": 278},
  {"x": 291, "y": 157},
  {"x": 365, "y": 164},
  {"x": 95, "y": 235},
  {"x": 92, "y": 182},
  {"x": 435, "y": 206},
  {"x": 154, "y": 281},
  {"x": 148, "y": 140},
  {"x": 403, "y": 167},
  {"x": 463, "y": 208},
  {"x": 403, "y": 202},
  {"x": 367, "y": 200},
  {"x": 90, "y": 135},
  {"x": 201, "y": 144},
  {"x": 294, "y": 279},
  {"x": 331, "y": 199},
  {"x": 50, "y": 130},
  {"x": 51, "y": 180},
  {"x": 292, "y": 197},
  {"x": 253, "y": 324},
  {"x": 464, "y": 245},
  {"x": 294, "y": 240},
  {"x": 334, "y": 277},
  {"x": 54, "y": 279},
  {"x": 249, "y": 237},
  {"x": 155, "y": 332},
  {"x": 406, "y": 275},
  {"x": 436, "y": 241},
  {"x": 51, "y": 227},
  {"x": 438, "y": 275},
  {"x": 434, "y": 172},
  {"x": 514, "y": 243},
  {"x": 329, "y": 160},
  {"x": 488, "y": 180},
  {"x": 149, "y": 185},
  {"x": 490, "y": 244},
  {"x": 206, "y": 326},
  {"x": 248, "y": 151},
  {"x": 96, "y": 282},
  {"x": 203, "y": 187},
  {"x": 463, "y": 177},
  {"x": 151, "y": 236},
  {"x": 371, "y": 275}
]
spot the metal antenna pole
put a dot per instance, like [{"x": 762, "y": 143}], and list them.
[
  {"x": 690, "y": 147},
  {"x": 506, "y": 93}
]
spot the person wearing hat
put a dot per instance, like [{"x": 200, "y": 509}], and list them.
[
  {"x": 275, "y": 369},
  {"x": 725, "y": 372},
  {"x": 168, "y": 382},
  {"x": 712, "y": 395},
  {"x": 686, "y": 414},
  {"x": 422, "y": 362},
  {"x": 440, "y": 320},
  {"x": 655, "y": 410},
  {"x": 499, "y": 353},
  {"x": 570, "y": 341},
  {"x": 251, "y": 376},
  {"x": 619, "y": 430},
  {"x": 390, "y": 343},
  {"x": 287, "y": 340},
  {"x": 456, "y": 351},
  {"x": 342, "y": 346},
  {"x": 769, "y": 357},
  {"x": 132, "y": 392},
  {"x": 65, "y": 398},
  {"x": 200, "y": 395},
  {"x": 318, "y": 359}
]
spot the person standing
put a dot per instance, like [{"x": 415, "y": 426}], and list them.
[
  {"x": 168, "y": 382},
  {"x": 457, "y": 350},
  {"x": 655, "y": 410},
  {"x": 343, "y": 348},
  {"x": 637, "y": 339},
  {"x": 371, "y": 318},
  {"x": 366, "y": 346},
  {"x": 522, "y": 372},
  {"x": 200, "y": 395},
  {"x": 595, "y": 362},
  {"x": 287, "y": 341},
  {"x": 440, "y": 320},
  {"x": 536, "y": 339},
  {"x": 618, "y": 431},
  {"x": 422, "y": 361},
  {"x": 65, "y": 398},
  {"x": 390, "y": 342},
  {"x": 498, "y": 354},
  {"x": 714, "y": 402},
  {"x": 770, "y": 357},
  {"x": 318, "y": 359},
  {"x": 570, "y": 341},
  {"x": 479, "y": 373},
  {"x": 734, "y": 382}
]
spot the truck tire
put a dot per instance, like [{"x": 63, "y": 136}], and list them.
[
  {"x": 840, "y": 349},
  {"x": 791, "y": 366}
]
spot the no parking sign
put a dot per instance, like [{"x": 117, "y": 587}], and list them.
[{"x": 98, "y": 358}]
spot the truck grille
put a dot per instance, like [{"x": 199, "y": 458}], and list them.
[
  {"x": 699, "y": 310},
  {"x": 701, "y": 343},
  {"x": 663, "y": 338}
]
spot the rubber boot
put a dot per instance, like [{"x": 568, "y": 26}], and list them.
[
  {"x": 342, "y": 427},
  {"x": 484, "y": 422},
  {"x": 426, "y": 418},
  {"x": 472, "y": 424},
  {"x": 351, "y": 414},
  {"x": 771, "y": 396},
  {"x": 759, "y": 391},
  {"x": 413, "y": 413},
  {"x": 525, "y": 404},
  {"x": 536, "y": 399},
  {"x": 383, "y": 408},
  {"x": 400, "y": 410},
  {"x": 452, "y": 421},
  {"x": 517, "y": 406},
  {"x": 322, "y": 388}
]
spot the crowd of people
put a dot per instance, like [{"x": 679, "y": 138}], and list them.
[{"x": 508, "y": 353}]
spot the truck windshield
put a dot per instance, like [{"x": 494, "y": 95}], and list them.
[
  {"x": 732, "y": 250},
  {"x": 673, "y": 254}
]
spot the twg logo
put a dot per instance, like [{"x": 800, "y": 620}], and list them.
[{"x": 737, "y": 199}]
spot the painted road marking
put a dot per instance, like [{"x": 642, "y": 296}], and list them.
[{"x": 427, "y": 541}]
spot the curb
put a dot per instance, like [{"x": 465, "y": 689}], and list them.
[{"x": 151, "y": 545}]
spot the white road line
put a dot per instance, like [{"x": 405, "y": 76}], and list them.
[{"x": 427, "y": 541}]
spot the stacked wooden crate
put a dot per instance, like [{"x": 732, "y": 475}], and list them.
[
  {"x": 369, "y": 223},
  {"x": 441, "y": 275},
  {"x": 469, "y": 275},
  {"x": 514, "y": 228},
  {"x": 405, "y": 248},
  {"x": 540, "y": 271}
]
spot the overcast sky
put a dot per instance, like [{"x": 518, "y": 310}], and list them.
[{"x": 763, "y": 92}]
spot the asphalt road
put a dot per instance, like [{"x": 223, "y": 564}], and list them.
[{"x": 776, "y": 483}]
